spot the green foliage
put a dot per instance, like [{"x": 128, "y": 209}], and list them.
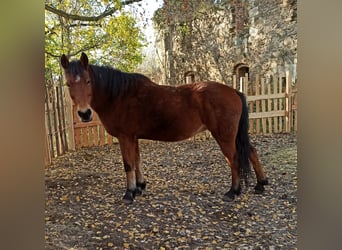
[
  {"x": 111, "y": 40},
  {"x": 183, "y": 29}
]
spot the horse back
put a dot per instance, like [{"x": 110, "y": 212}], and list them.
[{"x": 167, "y": 113}]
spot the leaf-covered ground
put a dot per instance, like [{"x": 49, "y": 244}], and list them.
[{"x": 182, "y": 207}]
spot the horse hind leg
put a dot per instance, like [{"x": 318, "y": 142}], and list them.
[
  {"x": 259, "y": 172},
  {"x": 229, "y": 151},
  {"x": 235, "y": 188}
]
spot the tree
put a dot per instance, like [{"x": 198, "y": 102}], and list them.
[{"x": 99, "y": 27}]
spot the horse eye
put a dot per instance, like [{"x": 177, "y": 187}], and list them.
[{"x": 88, "y": 82}]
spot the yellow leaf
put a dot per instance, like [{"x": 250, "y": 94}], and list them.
[
  {"x": 110, "y": 244},
  {"x": 64, "y": 198},
  {"x": 77, "y": 198},
  {"x": 126, "y": 245},
  {"x": 180, "y": 214},
  {"x": 237, "y": 233}
]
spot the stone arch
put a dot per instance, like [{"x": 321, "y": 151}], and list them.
[{"x": 240, "y": 70}]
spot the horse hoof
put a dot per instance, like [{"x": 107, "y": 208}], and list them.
[
  {"x": 264, "y": 182},
  {"x": 259, "y": 188},
  {"x": 141, "y": 185},
  {"x": 138, "y": 191},
  {"x": 128, "y": 197},
  {"x": 230, "y": 195},
  {"x": 228, "y": 198}
]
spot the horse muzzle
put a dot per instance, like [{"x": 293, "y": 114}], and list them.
[{"x": 86, "y": 116}]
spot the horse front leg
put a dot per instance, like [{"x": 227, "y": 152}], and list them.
[
  {"x": 139, "y": 175},
  {"x": 128, "y": 151}
]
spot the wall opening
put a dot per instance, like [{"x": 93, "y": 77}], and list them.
[{"x": 240, "y": 70}]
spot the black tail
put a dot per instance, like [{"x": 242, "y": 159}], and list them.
[{"x": 242, "y": 140}]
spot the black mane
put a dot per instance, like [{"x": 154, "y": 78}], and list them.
[
  {"x": 115, "y": 82},
  {"x": 112, "y": 81}
]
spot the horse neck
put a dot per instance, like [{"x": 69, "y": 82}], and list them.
[
  {"x": 111, "y": 84},
  {"x": 101, "y": 95}
]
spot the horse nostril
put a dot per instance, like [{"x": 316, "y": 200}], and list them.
[{"x": 85, "y": 116}]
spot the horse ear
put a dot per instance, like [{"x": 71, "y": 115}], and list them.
[
  {"x": 64, "y": 61},
  {"x": 84, "y": 60}
]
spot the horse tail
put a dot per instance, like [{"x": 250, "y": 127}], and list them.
[{"x": 242, "y": 140}]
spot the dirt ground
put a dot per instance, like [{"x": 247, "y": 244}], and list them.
[{"x": 182, "y": 207}]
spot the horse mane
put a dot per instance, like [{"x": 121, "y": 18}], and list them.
[
  {"x": 116, "y": 83},
  {"x": 113, "y": 82}
]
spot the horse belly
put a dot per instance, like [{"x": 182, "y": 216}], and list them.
[{"x": 176, "y": 130}]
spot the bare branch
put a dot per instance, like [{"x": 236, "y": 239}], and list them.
[{"x": 106, "y": 13}]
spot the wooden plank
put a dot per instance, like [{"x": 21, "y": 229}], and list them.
[
  {"x": 63, "y": 103},
  {"x": 257, "y": 102},
  {"x": 63, "y": 115},
  {"x": 287, "y": 105},
  {"x": 269, "y": 108},
  {"x": 48, "y": 122},
  {"x": 87, "y": 124},
  {"x": 275, "y": 104},
  {"x": 60, "y": 120},
  {"x": 69, "y": 121},
  {"x": 265, "y": 97},
  {"x": 280, "y": 102},
  {"x": 245, "y": 84},
  {"x": 78, "y": 141},
  {"x": 263, "y": 106},
  {"x": 85, "y": 137},
  {"x": 267, "y": 114},
  {"x": 102, "y": 136},
  {"x": 55, "y": 121},
  {"x": 251, "y": 121},
  {"x": 90, "y": 136},
  {"x": 294, "y": 108},
  {"x": 96, "y": 135}
]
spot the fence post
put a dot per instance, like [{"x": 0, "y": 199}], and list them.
[
  {"x": 257, "y": 103},
  {"x": 241, "y": 84},
  {"x": 287, "y": 106},
  {"x": 245, "y": 85},
  {"x": 263, "y": 104},
  {"x": 70, "y": 119}
]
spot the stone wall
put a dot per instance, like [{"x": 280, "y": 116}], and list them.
[{"x": 230, "y": 37}]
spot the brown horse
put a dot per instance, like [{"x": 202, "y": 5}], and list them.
[{"x": 132, "y": 107}]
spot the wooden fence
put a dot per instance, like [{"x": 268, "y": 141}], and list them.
[
  {"x": 57, "y": 126},
  {"x": 272, "y": 106},
  {"x": 91, "y": 133},
  {"x": 272, "y": 103},
  {"x": 63, "y": 129}
]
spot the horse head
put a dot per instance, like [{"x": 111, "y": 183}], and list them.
[{"x": 79, "y": 83}]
